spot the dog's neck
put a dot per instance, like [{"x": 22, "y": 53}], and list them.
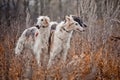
[
  {"x": 41, "y": 26},
  {"x": 65, "y": 30},
  {"x": 65, "y": 34},
  {"x": 44, "y": 26},
  {"x": 66, "y": 25}
]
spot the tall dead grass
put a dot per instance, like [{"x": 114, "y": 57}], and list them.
[{"x": 102, "y": 65}]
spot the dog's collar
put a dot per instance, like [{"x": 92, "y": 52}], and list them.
[
  {"x": 66, "y": 30},
  {"x": 44, "y": 26},
  {"x": 41, "y": 26},
  {"x": 60, "y": 38}
]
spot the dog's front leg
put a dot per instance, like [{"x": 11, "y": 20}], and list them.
[
  {"x": 37, "y": 52},
  {"x": 53, "y": 54},
  {"x": 65, "y": 52},
  {"x": 37, "y": 56},
  {"x": 50, "y": 61}
]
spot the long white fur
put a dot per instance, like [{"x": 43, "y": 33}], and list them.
[
  {"x": 44, "y": 35},
  {"x": 45, "y": 32},
  {"x": 61, "y": 39}
]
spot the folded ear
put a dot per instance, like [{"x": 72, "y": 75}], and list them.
[{"x": 67, "y": 18}]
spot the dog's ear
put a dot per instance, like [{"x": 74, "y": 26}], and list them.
[
  {"x": 72, "y": 16},
  {"x": 67, "y": 18},
  {"x": 48, "y": 19}
]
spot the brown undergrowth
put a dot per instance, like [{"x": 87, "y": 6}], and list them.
[{"x": 102, "y": 65}]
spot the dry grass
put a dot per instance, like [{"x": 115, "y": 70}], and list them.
[{"x": 102, "y": 65}]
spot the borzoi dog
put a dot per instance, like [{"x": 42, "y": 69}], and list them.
[
  {"x": 44, "y": 26},
  {"x": 79, "y": 20},
  {"x": 61, "y": 39},
  {"x": 30, "y": 39}
]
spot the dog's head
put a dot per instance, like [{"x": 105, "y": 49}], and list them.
[
  {"x": 79, "y": 20},
  {"x": 42, "y": 21},
  {"x": 72, "y": 25}
]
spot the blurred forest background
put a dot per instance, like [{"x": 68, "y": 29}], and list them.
[{"x": 94, "y": 54}]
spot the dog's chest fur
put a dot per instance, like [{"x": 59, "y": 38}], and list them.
[
  {"x": 44, "y": 35},
  {"x": 63, "y": 37}
]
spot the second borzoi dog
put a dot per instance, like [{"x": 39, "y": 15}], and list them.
[
  {"x": 61, "y": 39},
  {"x": 44, "y": 26}
]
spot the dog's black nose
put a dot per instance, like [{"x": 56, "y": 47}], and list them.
[
  {"x": 38, "y": 26},
  {"x": 85, "y": 25}
]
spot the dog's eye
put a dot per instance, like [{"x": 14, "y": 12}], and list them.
[
  {"x": 41, "y": 19},
  {"x": 76, "y": 24}
]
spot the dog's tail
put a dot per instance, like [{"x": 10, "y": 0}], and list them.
[
  {"x": 53, "y": 25},
  {"x": 20, "y": 43}
]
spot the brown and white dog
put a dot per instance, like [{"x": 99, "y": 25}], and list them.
[
  {"x": 61, "y": 38},
  {"x": 29, "y": 39}
]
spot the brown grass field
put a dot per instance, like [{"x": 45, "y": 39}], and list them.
[{"x": 101, "y": 65}]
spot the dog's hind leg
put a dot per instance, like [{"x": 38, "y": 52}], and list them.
[{"x": 20, "y": 43}]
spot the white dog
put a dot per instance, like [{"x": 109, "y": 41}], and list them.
[
  {"x": 61, "y": 39},
  {"x": 30, "y": 39},
  {"x": 44, "y": 26}
]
